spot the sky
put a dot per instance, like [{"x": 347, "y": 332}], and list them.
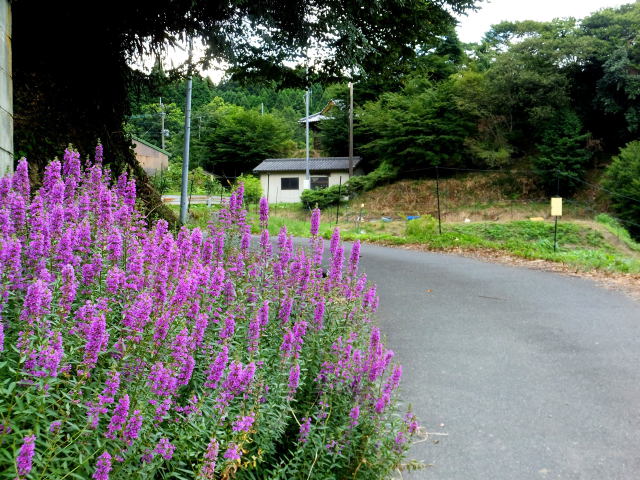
[{"x": 473, "y": 26}]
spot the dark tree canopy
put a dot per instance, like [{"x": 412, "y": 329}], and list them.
[{"x": 70, "y": 58}]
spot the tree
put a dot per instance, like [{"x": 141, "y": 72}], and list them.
[
  {"x": 563, "y": 156},
  {"x": 530, "y": 71},
  {"x": 85, "y": 69},
  {"x": 488, "y": 145},
  {"x": 622, "y": 179},
  {"x": 71, "y": 75},
  {"x": 616, "y": 73},
  {"x": 238, "y": 139},
  {"x": 147, "y": 123},
  {"x": 417, "y": 128}
]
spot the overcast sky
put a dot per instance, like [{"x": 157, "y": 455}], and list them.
[{"x": 473, "y": 26}]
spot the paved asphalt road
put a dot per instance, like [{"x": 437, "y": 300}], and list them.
[{"x": 533, "y": 375}]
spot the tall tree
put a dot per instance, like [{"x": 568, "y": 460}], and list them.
[
  {"x": 617, "y": 62},
  {"x": 70, "y": 58},
  {"x": 417, "y": 128},
  {"x": 238, "y": 139}
]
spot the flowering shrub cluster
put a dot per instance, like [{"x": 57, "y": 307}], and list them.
[{"x": 129, "y": 352}]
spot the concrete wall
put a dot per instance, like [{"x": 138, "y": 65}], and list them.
[
  {"x": 271, "y": 184},
  {"x": 150, "y": 159},
  {"x": 6, "y": 90}
]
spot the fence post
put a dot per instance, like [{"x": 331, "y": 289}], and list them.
[
  {"x": 339, "y": 197},
  {"x": 190, "y": 193},
  {"x": 438, "y": 197}
]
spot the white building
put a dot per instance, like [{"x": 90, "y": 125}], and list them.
[{"x": 282, "y": 179}]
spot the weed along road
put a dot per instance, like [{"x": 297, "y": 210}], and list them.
[{"x": 530, "y": 374}]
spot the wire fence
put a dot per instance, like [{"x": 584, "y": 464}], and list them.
[
  {"x": 445, "y": 198},
  {"x": 450, "y": 200}
]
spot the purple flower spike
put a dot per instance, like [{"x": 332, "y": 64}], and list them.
[
  {"x": 233, "y": 452},
  {"x": 318, "y": 314},
  {"x": 294, "y": 379},
  {"x": 354, "y": 260},
  {"x": 315, "y": 221},
  {"x": 25, "y": 456},
  {"x": 36, "y": 302},
  {"x": 264, "y": 212},
  {"x": 103, "y": 467},
  {"x": 210, "y": 457},
  {"x": 165, "y": 449},
  {"x": 132, "y": 430},
  {"x": 99, "y": 154},
  {"x": 119, "y": 417},
  {"x": 354, "y": 414},
  {"x": 243, "y": 424},
  {"x": 54, "y": 427},
  {"x": 305, "y": 427}
]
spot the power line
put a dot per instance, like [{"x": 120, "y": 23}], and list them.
[{"x": 567, "y": 174}]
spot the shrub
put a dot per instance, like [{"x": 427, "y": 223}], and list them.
[
  {"x": 622, "y": 178},
  {"x": 325, "y": 197},
  {"x": 200, "y": 181},
  {"x": 252, "y": 187},
  {"x": 129, "y": 352},
  {"x": 422, "y": 228}
]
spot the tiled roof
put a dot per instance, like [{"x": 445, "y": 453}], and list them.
[{"x": 299, "y": 164}]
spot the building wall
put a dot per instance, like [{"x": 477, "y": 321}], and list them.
[
  {"x": 6, "y": 90},
  {"x": 150, "y": 159},
  {"x": 271, "y": 185}
]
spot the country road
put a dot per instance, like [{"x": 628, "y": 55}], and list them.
[{"x": 532, "y": 375}]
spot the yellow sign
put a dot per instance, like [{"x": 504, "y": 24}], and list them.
[{"x": 556, "y": 207}]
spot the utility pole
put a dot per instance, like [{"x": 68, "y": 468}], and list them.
[
  {"x": 6, "y": 95},
  {"x": 162, "y": 114},
  {"x": 350, "y": 129},
  {"x": 307, "y": 178},
  {"x": 262, "y": 108},
  {"x": 185, "y": 157}
]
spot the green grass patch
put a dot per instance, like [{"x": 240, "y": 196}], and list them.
[
  {"x": 616, "y": 228},
  {"x": 578, "y": 245},
  {"x": 198, "y": 215},
  {"x": 569, "y": 235}
]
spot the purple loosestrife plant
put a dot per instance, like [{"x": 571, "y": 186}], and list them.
[
  {"x": 103, "y": 467},
  {"x": 207, "y": 472},
  {"x": 315, "y": 222},
  {"x": 264, "y": 213},
  {"x": 243, "y": 424},
  {"x": 305, "y": 428},
  {"x": 148, "y": 340},
  {"x": 165, "y": 448},
  {"x": 25, "y": 456}
]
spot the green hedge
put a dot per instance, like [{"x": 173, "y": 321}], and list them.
[{"x": 326, "y": 197}]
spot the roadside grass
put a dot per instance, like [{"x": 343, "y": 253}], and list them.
[
  {"x": 198, "y": 215},
  {"x": 616, "y": 228},
  {"x": 579, "y": 245}
]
